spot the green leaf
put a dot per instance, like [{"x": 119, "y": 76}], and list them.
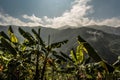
[
  {"x": 23, "y": 47},
  {"x": 4, "y": 58},
  {"x": 8, "y": 46},
  {"x": 26, "y": 35},
  {"x": 58, "y": 44},
  {"x": 73, "y": 55},
  {"x": 4, "y": 35},
  {"x": 13, "y": 38},
  {"x": 117, "y": 63},
  {"x": 109, "y": 68},
  {"x": 67, "y": 70},
  {"x": 119, "y": 58},
  {"x": 79, "y": 54},
  {"x": 37, "y": 35},
  {"x": 87, "y": 60},
  {"x": 10, "y": 30},
  {"x": 60, "y": 57},
  {"x": 91, "y": 52},
  {"x": 66, "y": 56},
  {"x": 81, "y": 39}
]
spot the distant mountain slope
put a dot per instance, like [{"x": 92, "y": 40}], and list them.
[
  {"x": 107, "y": 29},
  {"x": 101, "y": 41},
  {"x": 105, "y": 42}
]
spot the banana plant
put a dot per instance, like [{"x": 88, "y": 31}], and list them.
[
  {"x": 8, "y": 46},
  {"x": 95, "y": 56},
  {"x": 73, "y": 63},
  {"x": 14, "y": 55},
  {"x": 79, "y": 61},
  {"x": 34, "y": 59},
  {"x": 43, "y": 52}
]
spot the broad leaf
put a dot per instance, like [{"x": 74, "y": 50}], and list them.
[
  {"x": 4, "y": 35},
  {"x": 26, "y": 35},
  {"x": 8, "y": 46},
  {"x": 10, "y": 30},
  {"x": 37, "y": 35},
  {"x": 92, "y": 53},
  {"x": 13, "y": 38},
  {"x": 79, "y": 54},
  {"x": 66, "y": 56},
  {"x": 60, "y": 57},
  {"x": 73, "y": 55},
  {"x": 107, "y": 67},
  {"x": 58, "y": 44}
]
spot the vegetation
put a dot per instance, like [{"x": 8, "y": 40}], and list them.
[{"x": 34, "y": 59}]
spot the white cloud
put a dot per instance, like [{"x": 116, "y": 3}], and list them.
[
  {"x": 32, "y": 18},
  {"x": 76, "y": 16},
  {"x": 114, "y": 22},
  {"x": 110, "y": 22},
  {"x": 6, "y": 19},
  {"x": 73, "y": 17}
]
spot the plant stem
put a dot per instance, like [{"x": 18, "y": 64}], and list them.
[
  {"x": 37, "y": 65},
  {"x": 45, "y": 61}
]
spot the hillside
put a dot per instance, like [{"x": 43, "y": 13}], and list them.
[{"x": 106, "y": 43}]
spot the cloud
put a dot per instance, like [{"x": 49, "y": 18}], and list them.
[
  {"x": 32, "y": 18},
  {"x": 110, "y": 22},
  {"x": 76, "y": 16},
  {"x": 73, "y": 17},
  {"x": 6, "y": 19},
  {"x": 114, "y": 22}
]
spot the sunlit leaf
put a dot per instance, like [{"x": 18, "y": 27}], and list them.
[
  {"x": 73, "y": 55},
  {"x": 13, "y": 38},
  {"x": 23, "y": 47},
  {"x": 4, "y": 58},
  {"x": 92, "y": 53},
  {"x": 79, "y": 54}
]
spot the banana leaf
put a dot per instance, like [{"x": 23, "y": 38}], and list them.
[
  {"x": 27, "y": 36},
  {"x": 4, "y": 35},
  {"x": 91, "y": 51},
  {"x": 37, "y": 35},
  {"x": 58, "y": 44},
  {"x": 8, "y": 46},
  {"x": 66, "y": 56}
]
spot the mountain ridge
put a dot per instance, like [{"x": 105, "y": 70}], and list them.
[{"x": 106, "y": 43}]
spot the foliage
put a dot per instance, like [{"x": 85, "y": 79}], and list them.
[{"x": 33, "y": 59}]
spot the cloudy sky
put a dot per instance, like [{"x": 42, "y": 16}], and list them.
[{"x": 59, "y": 13}]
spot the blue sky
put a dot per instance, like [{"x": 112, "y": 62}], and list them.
[
  {"x": 58, "y": 13},
  {"x": 38, "y": 7}
]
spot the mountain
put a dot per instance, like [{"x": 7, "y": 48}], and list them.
[
  {"x": 105, "y": 42},
  {"x": 107, "y": 29}
]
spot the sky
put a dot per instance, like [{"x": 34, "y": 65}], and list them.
[{"x": 59, "y": 13}]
